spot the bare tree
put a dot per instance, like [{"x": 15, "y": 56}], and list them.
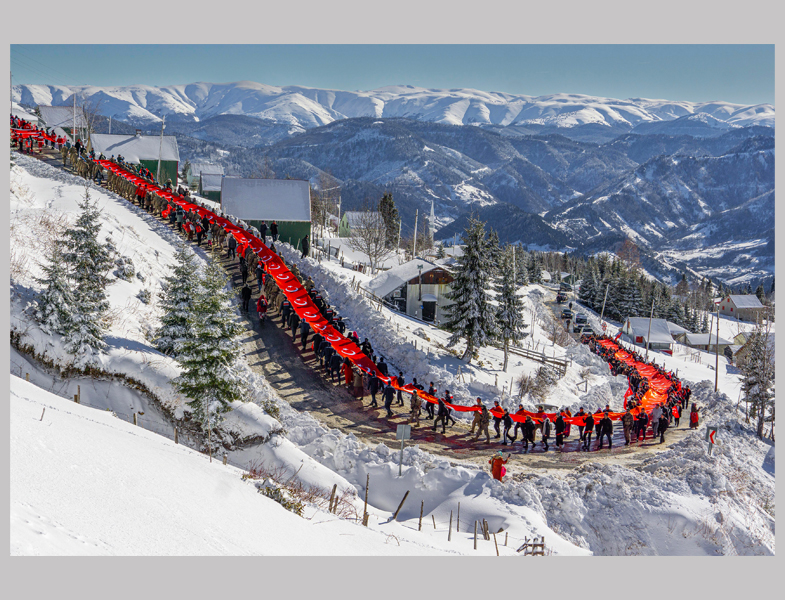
[
  {"x": 264, "y": 169},
  {"x": 630, "y": 255},
  {"x": 369, "y": 236},
  {"x": 91, "y": 108}
]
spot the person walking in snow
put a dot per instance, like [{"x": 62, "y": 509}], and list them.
[
  {"x": 655, "y": 419},
  {"x": 274, "y": 231},
  {"x": 246, "y": 296},
  {"x": 263, "y": 232},
  {"x": 389, "y": 396},
  {"x": 306, "y": 247},
  {"x": 589, "y": 424},
  {"x": 641, "y": 423},
  {"x": 497, "y": 465},
  {"x": 560, "y": 427},
  {"x": 335, "y": 366},
  {"x": 477, "y": 416},
  {"x": 507, "y": 422},
  {"x": 441, "y": 416},
  {"x": 382, "y": 366},
  {"x": 529, "y": 429},
  {"x": 429, "y": 405},
  {"x": 663, "y": 426},
  {"x": 244, "y": 271},
  {"x": 694, "y": 417},
  {"x": 261, "y": 308},
  {"x": 232, "y": 245},
  {"x": 627, "y": 422},
  {"x": 400, "y": 381},
  {"x": 485, "y": 421},
  {"x": 521, "y": 412},
  {"x": 546, "y": 431},
  {"x": 580, "y": 414},
  {"x": 497, "y": 412},
  {"x": 373, "y": 387},
  {"x": 606, "y": 430},
  {"x": 259, "y": 276},
  {"x": 416, "y": 403},
  {"x": 676, "y": 412}
]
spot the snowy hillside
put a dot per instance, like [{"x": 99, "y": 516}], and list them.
[
  {"x": 303, "y": 107},
  {"x": 94, "y": 484}
]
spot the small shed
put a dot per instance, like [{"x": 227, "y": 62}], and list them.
[
  {"x": 351, "y": 218},
  {"x": 636, "y": 331},
  {"x": 285, "y": 201},
  {"x": 195, "y": 169},
  {"x": 745, "y": 307},
  {"x": 417, "y": 292},
  {"x": 742, "y": 353},
  {"x": 141, "y": 150},
  {"x": 210, "y": 186}
]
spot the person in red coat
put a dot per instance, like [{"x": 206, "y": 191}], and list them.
[
  {"x": 694, "y": 417},
  {"x": 347, "y": 373},
  {"x": 497, "y": 465}
]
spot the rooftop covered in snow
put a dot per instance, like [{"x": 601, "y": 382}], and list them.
[
  {"x": 62, "y": 116},
  {"x": 211, "y": 182},
  {"x": 276, "y": 199},
  {"x": 134, "y": 148},
  {"x": 392, "y": 279}
]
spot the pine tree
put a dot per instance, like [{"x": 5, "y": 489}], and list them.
[
  {"x": 771, "y": 289},
  {"x": 588, "y": 287},
  {"x": 471, "y": 316},
  {"x": 760, "y": 293},
  {"x": 209, "y": 378},
  {"x": 509, "y": 314},
  {"x": 520, "y": 265},
  {"x": 54, "y": 304},
  {"x": 534, "y": 269},
  {"x": 440, "y": 251},
  {"x": 494, "y": 249},
  {"x": 177, "y": 300},
  {"x": 390, "y": 216},
  {"x": 88, "y": 262},
  {"x": 757, "y": 372}
]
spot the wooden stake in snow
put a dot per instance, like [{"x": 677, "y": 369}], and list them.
[
  {"x": 495, "y": 544},
  {"x": 506, "y": 533},
  {"x": 135, "y": 422},
  {"x": 400, "y": 506},
  {"x": 449, "y": 531},
  {"x": 458, "y": 523},
  {"x": 225, "y": 457},
  {"x": 79, "y": 393},
  {"x": 419, "y": 526},
  {"x": 434, "y": 521},
  {"x": 42, "y": 414},
  {"x": 365, "y": 508},
  {"x": 475, "y": 535},
  {"x": 176, "y": 437},
  {"x": 332, "y": 497},
  {"x": 76, "y": 399}
]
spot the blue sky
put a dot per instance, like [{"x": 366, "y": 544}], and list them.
[{"x": 729, "y": 72}]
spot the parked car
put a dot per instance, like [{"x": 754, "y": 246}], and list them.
[
  {"x": 566, "y": 314},
  {"x": 561, "y": 298},
  {"x": 577, "y": 327},
  {"x": 587, "y": 330},
  {"x": 581, "y": 318},
  {"x": 565, "y": 287}
]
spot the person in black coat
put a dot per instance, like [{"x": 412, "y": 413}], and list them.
[
  {"x": 327, "y": 355},
  {"x": 245, "y": 293},
  {"x": 560, "y": 427},
  {"x": 441, "y": 415},
  {"x": 286, "y": 308},
  {"x": 663, "y": 426},
  {"x": 306, "y": 247},
  {"x": 294, "y": 323},
  {"x": 429, "y": 405},
  {"x": 589, "y": 424},
  {"x": 340, "y": 325},
  {"x": 529, "y": 429},
  {"x": 641, "y": 423},
  {"x": 389, "y": 395},
  {"x": 606, "y": 430},
  {"x": 263, "y": 231},
  {"x": 260, "y": 276},
  {"x": 507, "y": 421},
  {"x": 274, "y": 231},
  {"x": 305, "y": 329},
  {"x": 244, "y": 271},
  {"x": 382, "y": 366},
  {"x": 336, "y": 360},
  {"x": 366, "y": 348},
  {"x": 374, "y": 383},
  {"x": 400, "y": 381}
]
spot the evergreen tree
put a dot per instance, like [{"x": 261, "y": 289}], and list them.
[
  {"x": 494, "y": 250},
  {"x": 509, "y": 314},
  {"x": 440, "y": 251},
  {"x": 209, "y": 378},
  {"x": 771, "y": 289},
  {"x": 471, "y": 316},
  {"x": 54, "y": 304},
  {"x": 177, "y": 300},
  {"x": 88, "y": 262},
  {"x": 533, "y": 268},
  {"x": 588, "y": 287},
  {"x": 391, "y": 219},
  {"x": 520, "y": 265},
  {"x": 757, "y": 372},
  {"x": 760, "y": 293}
]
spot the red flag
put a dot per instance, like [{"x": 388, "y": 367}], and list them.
[{"x": 618, "y": 335}]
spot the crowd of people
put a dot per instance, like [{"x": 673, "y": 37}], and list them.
[{"x": 636, "y": 421}]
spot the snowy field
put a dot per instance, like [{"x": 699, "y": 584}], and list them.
[{"x": 677, "y": 502}]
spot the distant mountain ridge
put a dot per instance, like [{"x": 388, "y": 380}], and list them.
[{"x": 302, "y": 107}]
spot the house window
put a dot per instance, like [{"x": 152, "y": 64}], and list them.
[
  {"x": 639, "y": 339},
  {"x": 731, "y": 309}
]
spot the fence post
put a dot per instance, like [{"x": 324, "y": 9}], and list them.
[
  {"x": 42, "y": 414},
  {"x": 458, "y": 522},
  {"x": 27, "y": 376},
  {"x": 419, "y": 526},
  {"x": 76, "y": 399},
  {"x": 176, "y": 438},
  {"x": 135, "y": 422},
  {"x": 79, "y": 393},
  {"x": 225, "y": 457},
  {"x": 332, "y": 497},
  {"x": 434, "y": 521},
  {"x": 495, "y": 544},
  {"x": 449, "y": 531},
  {"x": 475, "y": 535},
  {"x": 365, "y": 508},
  {"x": 506, "y": 533}
]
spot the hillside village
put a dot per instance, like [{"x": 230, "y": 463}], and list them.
[{"x": 280, "y": 406}]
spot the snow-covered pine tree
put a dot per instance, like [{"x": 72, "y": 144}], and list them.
[
  {"x": 494, "y": 249},
  {"x": 440, "y": 251},
  {"x": 88, "y": 262},
  {"x": 177, "y": 299},
  {"x": 509, "y": 314},
  {"x": 471, "y": 316},
  {"x": 54, "y": 303},
  {"x": 588, "y": 286},
  {"x": 520, "y": 265},
  {"x": 534, "y": 268},
  {"x": 757, "y": 372},
  {"x": 760, "y": 293},
  {"x": 209, "y": 377}
]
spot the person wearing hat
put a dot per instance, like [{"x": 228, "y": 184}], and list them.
[
  {"x": 497, "y": 465},
  {"x": 477, "y": 416}
]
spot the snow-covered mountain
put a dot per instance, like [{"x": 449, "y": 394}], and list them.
[{"x": 303, "y": 107}]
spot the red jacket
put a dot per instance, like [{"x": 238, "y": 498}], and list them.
[{"x": 496, "y": 466}]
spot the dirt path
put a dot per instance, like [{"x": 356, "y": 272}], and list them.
[{"x": 293, "y": 373}]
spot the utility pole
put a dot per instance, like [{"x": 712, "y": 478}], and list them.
[
  {"x": 160, "y": 149},
  {"x": 419, "y": 294},
  {"x": 398, "y": 245},
  {"x": 74, "y": 130},
  {"x": 717, "y": 350},
  {"x": 414, "y": 243},
  {"x": 110, "y": 125},
  {"x": 603, "y": 306},
  {"x": 649, "y": 334}
]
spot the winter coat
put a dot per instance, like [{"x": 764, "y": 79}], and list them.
[
  {"x": 546, "y": 427},
  {"x": 232, "y": 242},
  {"x": 589, "y": 423},
  {"x": 694, "y": 417},
  {"x": 560, "y": 425},
  {"x": 606, "y": 426},
  {"x": 507, "y": 420},
  {"x": 373, "y": 384},
  {"x": 485, "y": 417},
  {"x": 627, "y": 420},
  {"x": 246, "y": 293},
  {"x": 663, "y": 424},
  {"x": 389, "y": 395},
  {"x": 335, "y": 362},
  {"x": 497, "y": 463},
  {"x": 443, "y": 411},
  {"x": 274, "y": 229}
]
